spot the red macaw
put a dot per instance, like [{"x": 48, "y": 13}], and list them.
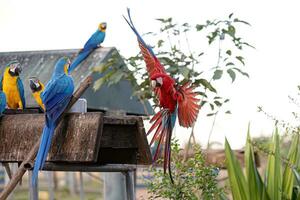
[{"x": 173, "y": 100}]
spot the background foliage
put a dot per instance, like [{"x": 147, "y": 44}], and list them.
[{"x": 175, "y": 46}]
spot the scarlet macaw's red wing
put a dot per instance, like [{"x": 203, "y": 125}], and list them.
[
  {"x": 188, "y": 105},
  {"x": 152, "y": 63}
]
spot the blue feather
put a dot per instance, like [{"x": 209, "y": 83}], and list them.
[
  {"x": 80, "y": 57},
  {"x": 55, "y": 97},
  {"x": 2, "y": 102},
  {"x": 21, "y": 91},
  {"x": 93, "y": 42},
  {"x": 130, "y": 23},
  {"x": 1, "y": 82}
]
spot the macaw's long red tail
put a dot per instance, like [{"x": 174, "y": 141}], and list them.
[{"x": 163, "y": 122}]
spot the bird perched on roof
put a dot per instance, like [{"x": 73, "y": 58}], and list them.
[
  {"x": 94, "y": 42},
  {"x": 56, "y": 97},
  {"x": 12, "y": 85},
  {"x": 37, "y": 87},
  {"x": 174, "y": 100}
]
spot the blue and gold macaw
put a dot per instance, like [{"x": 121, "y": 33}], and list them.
[
  {"x": 94, "y": 42},
  {"x": 12, "y": 86},
  {"x": 55, "y": 97},
  {"x": 37, "y": 87}
]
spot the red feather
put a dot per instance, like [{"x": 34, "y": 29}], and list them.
[
  {"x": 188, "y": 105},
  {"x": 152, "y": 63}
]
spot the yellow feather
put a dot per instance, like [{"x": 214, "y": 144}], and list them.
[
  {"x": 10, "y": 88},
  {"x": 37, "y": 96}
]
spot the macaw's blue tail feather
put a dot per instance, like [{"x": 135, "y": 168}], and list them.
[
  {"x": 45, "y": 144},
  {"x": 80, "y": 57},
  {"x": 164, "y": 122},
  {"x": 130, "y": 23}
]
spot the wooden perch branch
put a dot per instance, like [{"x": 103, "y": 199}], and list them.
[{"x": 27, "y": 162}]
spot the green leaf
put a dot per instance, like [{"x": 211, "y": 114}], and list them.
[
  {"x": 115, "y": 77},
  {"x": 274, "y": 173},
  {"x": 288, "y": 175},
  {"x": 217, "y": 74},
  {"x": 254, "y": 180},
  {"x": 297, "y": 176},
  {"x": 241, "y": 59},
  {"x": 228, "y": 52},
  {"x": 238, "y": 184},
  {"x": 228, "y": 112},
  {"x": 199, "y": 27},
  {"x": 185, "y": 72},
  {"x": 230, "y": 63},
  {"x": 210, "y": 114},
  {"x": 207, "y": 85},
  {"x": 160, "y": 43},
  {"x": 241, "y": 21},
  {"x": 212, "y": 106},
  {"x": 231, "y": 74},
  {"x": 97, "y": 85},
  {"x": 231, "y": 31},
  {"x": 230, "y": 15},
  {"x": 240, "y": 71},
  {"x": 218, "y": 103}
]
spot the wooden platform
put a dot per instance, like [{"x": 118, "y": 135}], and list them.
[{"x": 82, "y": 141}]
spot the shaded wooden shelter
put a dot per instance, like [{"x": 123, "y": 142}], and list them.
[{"x": 99, "y": 140}]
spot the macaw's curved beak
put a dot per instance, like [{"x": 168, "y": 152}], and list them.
[
  {"x": 159, "y": 81},
  {"x": 153, "y": 83},
  {"x": 103, "y": 25},
  {"x": 34, "y": 84},
  {"x": 18, "y": 69}
]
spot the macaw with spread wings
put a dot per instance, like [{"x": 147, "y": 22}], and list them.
[{"x": 174, "y": 100}]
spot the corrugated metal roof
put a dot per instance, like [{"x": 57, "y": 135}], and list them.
[{"x": 41, "y": 63}]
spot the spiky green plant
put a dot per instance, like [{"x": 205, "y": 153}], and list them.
[{"x": 281, "y": 176}]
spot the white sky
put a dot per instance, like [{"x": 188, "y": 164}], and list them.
[{"x": 273, "y": 66}]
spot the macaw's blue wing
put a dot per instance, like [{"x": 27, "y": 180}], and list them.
[
  {"x": 93, "y": 42},
  {"x": 55, "y": 97},
  {"x": 2, "y": 102},
  {"x": 21, "y": 91},
  {"x": 1, "y": 83},
  {"x": 80, "y": 57}
]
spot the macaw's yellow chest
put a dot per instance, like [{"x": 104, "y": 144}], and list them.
[
  {"x": 37, "y": 97},
  {"x": 10, "y": 88}
]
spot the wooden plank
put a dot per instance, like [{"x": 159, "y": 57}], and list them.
[
  {"x": 119, "y": 136},
  {"x": 144, "y": 156},
  {"x": 77, "y": 167},
  {"x": 76, "y": 139},
  {"x": 117, "y": 120}
]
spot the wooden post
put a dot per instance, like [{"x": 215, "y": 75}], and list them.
[
  {"x": 7, "y": 169},
  {"x": 33, "y": 191},
  {"x": 50, "y": 185},
  {"x": 81, "y": 189},
  {"x": 28, "y": 162},
  {"x": 130, "y": 191}
]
